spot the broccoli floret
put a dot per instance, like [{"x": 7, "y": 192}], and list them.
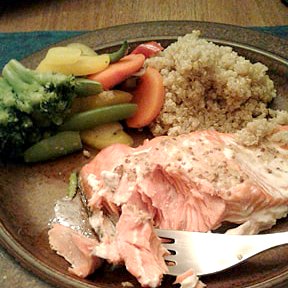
[
  {"x": 47, "y": 97},
  {"x": 16, "y": 128},
  {"x": 34, "y": 104}
]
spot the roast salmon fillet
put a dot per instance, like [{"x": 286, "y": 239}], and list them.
[{"x": 195, "y": 182}]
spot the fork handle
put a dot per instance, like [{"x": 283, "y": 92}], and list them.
[
  {"x": 253, "y": 245},
  {"x": 234, "y": 249}
]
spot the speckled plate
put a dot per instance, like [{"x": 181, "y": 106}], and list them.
[{"x": 28, "y": 193}]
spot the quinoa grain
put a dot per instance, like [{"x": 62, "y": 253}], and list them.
[{"x": 210, "y": 87}]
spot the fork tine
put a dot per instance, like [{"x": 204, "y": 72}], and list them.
[
  {"x": 169, "y": 234},
  {"x": 170, "y": 258},
  {"x": 169, "y": 246},
  {"x": 173, "y": 270}
]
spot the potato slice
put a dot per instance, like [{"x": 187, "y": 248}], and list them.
[
  {"x": 104, "y": 135},
  {"x": 105, "y": 98}
]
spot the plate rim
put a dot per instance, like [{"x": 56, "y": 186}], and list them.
[{"x": 266, "y": 43}]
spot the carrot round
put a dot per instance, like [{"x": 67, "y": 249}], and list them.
[
  {"x": 117, "y": 72},
  {"x": 149, "y": 97}
]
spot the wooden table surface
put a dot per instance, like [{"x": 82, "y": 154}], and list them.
[{"x": 32, "y": 15}]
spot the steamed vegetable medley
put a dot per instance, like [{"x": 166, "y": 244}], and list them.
[{"x": 76, "y": 97}]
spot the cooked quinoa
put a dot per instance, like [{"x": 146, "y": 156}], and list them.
[
  {"x": 259, "y": 129},
  {"x": 209, "y": 86}
]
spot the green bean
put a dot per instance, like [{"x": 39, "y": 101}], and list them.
[
  {"x": 72, "y": 186},
  {"x": 86, "y": 87},
  {"x": 55, "y": 146},
  {"x": 117, "y": 55},
  {"x": 89, "y": 119}
]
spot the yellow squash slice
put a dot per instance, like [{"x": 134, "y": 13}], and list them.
[
  {"x": 104, "y": 135},
  {"x": 85, "y": 65}
]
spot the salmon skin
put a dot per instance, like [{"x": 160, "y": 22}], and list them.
[{"x": 193, "y": 182}]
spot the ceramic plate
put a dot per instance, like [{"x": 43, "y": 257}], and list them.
[{"x": 28, "y": 193}]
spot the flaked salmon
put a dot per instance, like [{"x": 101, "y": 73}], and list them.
[
  {"x": 192, "y": 182},
  {"x": 75, "y": 248}
]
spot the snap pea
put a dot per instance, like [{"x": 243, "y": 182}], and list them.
[
  {"x": 86, "y": 87},
  {"x": 117, "y": 55},
  {"x": 55, "y": 146},
  {"x": 89, "y": 119},
  {"x": 72, "y": 186}
]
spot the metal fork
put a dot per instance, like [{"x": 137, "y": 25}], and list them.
[{"x": 207, "y": 253}]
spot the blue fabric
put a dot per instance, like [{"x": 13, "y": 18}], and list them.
[
  {"x": 280, "y": 31},
  {"x": 21, "y": 44}
]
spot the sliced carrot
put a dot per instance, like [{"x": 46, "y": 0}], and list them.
[
  {"x": 117, "y": 72},
  {"x": 149, "y": 97}
]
